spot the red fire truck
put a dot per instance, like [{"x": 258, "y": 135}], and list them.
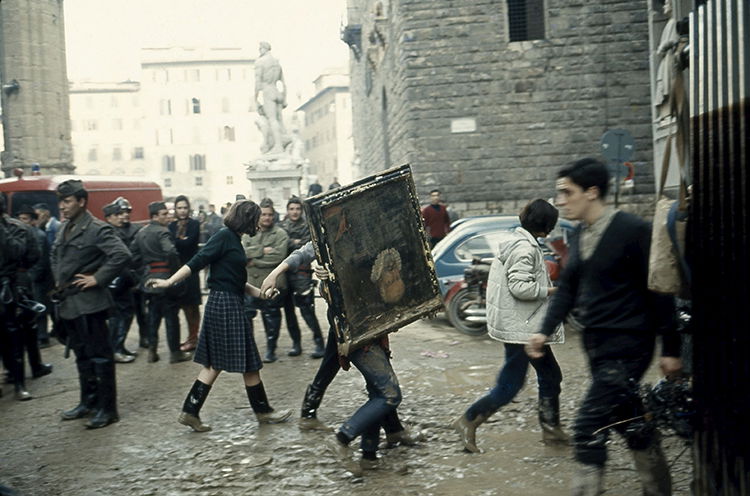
[{"x": 30, "y": 190}]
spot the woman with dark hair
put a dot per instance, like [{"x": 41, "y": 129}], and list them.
[
  {"x": 226, "y": 340},
  {"x": 517, "y": 292},
  {"x": 187, "y": 232}
]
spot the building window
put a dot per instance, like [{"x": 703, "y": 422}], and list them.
[
  {"x": 230, "y": 179},
  {"x": 91, "y": 125},
  {"x": 165, "y": 107},
  {"x": 225, "y": 105},
  {"x": 197, "y": 162},
  {"x": 113, "y": 102},
  {"x": 138, "y": 153},
  {"x": 196, "y": 105},
  {"x": 167, "y": 182},
  {"x": 228, "y": 133},
  {"x": 93, "y": 154},
  {"x": 117, "y": 153},
  {"x": 525, "y": 20},
  {"x": 198, "y": 181},
  {"x": 167, "y": 163},
  {"x": 117, "y": 124},
  {"x": 194, "y": 75}
]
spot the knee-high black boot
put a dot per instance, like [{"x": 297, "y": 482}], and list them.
[
  {"x": 308, "y": 419},
  {"x": 549, "y": 419},
  {"x": 263, "y": 411},
  {"x": 308, "y": 313},
  {"x": 106, "y": 388},
  {"x": 192, "y": 407},
  {"x": 271, "y": 323},
  {"x": 87, "y": 384}
]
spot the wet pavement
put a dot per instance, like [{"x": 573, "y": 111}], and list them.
[{"x": 440, "y": 371}]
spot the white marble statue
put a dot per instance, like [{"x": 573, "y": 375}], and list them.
[{"x": 270, "y": 99}]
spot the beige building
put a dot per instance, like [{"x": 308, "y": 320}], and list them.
[
  {"x": 109, "y": 138},
  {"x": 200, "y": 117},
  {"x": 326, "y": 129}
]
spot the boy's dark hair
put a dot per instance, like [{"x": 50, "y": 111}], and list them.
[
  {"x": 293, "y": 200},
  {"x": 267, "y": 203},
  {"x": 586, "y": 173},
  {"x": 182, "y": 198},
  {"x": 155, "y": 207},
  {"x": 538, "y": 216},
  {"x": 242, "y": 217},
  {"x": 435, "y": 191}
]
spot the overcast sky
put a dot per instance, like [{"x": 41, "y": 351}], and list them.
[{"x": 104, "y": 37}]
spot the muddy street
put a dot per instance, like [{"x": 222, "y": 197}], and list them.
[{"x": 440, "y": 372}]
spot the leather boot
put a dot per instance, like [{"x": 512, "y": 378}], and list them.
[
  {"x": 153, "y": 356},
  {"x": 467, "y": 430},
  {"x": 320, "y": 347},
  {"x": 404, "y": 438},
  {"x": 179, "y": 356},
  {"x": 587, "y": 480},
  {"x": 549, "y": 419},
  {"x": 653, "y": 470},
  {"x": 296, "y": 349},
  {"x": 308, "y": 419},
  {"x": 193, "y": 317},
  {"x": 271, "y": 323},
  {"x": 263, "y": 411},
  {"x": 87, "y": 384},
  {"x": 106, "y": 389},
  {"x": 270, "y": 355},
  {"x": 192, "y": 407}
]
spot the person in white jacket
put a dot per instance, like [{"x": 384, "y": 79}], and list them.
[{"x": 517, "y": 294}]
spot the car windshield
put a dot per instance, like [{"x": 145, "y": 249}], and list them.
[
  {"x": 484, "y": 245},
  {"x": 31, "y": 198}
]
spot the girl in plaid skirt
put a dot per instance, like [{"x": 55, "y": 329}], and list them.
[{"x": 226, "y": 340}]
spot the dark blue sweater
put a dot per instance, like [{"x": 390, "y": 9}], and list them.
[{"x": 609, "y": 289}]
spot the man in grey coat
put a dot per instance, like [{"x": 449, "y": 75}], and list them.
[{"x": 86, "y": 256}]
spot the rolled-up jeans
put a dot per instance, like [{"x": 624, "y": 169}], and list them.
[{"x": 383, "y": 392}]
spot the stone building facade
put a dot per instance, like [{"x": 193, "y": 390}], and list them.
[
  {"x": 488, "y": 98},
  {"x": 34, "y": 85}
]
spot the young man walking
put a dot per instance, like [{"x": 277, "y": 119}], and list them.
[{"x": 605, "y": 280}]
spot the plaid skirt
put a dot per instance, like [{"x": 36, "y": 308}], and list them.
[{"x": 226, "y": 340}]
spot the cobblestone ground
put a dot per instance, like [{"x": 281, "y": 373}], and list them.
[{"x": 441, "y": 372}]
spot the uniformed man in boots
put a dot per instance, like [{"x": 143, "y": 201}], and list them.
[
  {"x": 121, "y": 290},
  {"x": 301, "y": 286},
  {"x": 264, "y": 252},
  {"x": 86, "y": 256},
  {"x": 18, "y": 251},
  {"x": 155, "y": 253},
  {"x": 127, "y": 231}
]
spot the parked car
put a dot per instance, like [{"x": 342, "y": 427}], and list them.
[{"x": 473, "y": 239}]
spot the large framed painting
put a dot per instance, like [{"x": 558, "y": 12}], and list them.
[{"x": 370, "y": 237}]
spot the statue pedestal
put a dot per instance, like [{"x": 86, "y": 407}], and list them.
[{"x": 274, "y": 176}]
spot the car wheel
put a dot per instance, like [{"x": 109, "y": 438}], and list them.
[{"x": 457, "y": 316}]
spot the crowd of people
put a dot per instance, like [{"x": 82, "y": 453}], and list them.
[{"x": 105, "y": 274}]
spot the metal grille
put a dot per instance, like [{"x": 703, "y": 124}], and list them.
[
  {"x": 719, "y": 238},
  {"x": 525, "y": 20}
]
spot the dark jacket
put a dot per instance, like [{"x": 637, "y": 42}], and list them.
[
  {"x": 187, "y": 245},
  {"x": 154, "y": 254},
  {"x": 299, "y": 233},
  {"x": 23, "y": 252},
  {"x": 92, "y": 247},
  {"x": 609, "y": 289}
]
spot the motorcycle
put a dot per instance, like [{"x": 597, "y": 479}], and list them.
[{"x": 466, "y": 300}]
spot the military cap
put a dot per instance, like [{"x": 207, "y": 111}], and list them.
[
  {"x": 69, "y": 188},
  {"x": 123, "y": 203},
  {"x": 154, "y": 207},
  {"x": 25, "y": 209},
  {"x": 40, "y": 206},
  {"x": 110, "y": 209}
]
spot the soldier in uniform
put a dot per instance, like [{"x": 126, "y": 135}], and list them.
[
  {"x": 120, "y": 289},
  {"x": 187, "y": 232},
  {"x": 155, "y": 253},
  {"x": 18, "y": 251},
  {"x": 301, "y": 287},
  {"x": 128, "y": 230},
  {"x": 264, "y": 252},
  {"x": 86, "y": 256}
]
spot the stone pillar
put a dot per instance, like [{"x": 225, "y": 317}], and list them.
[
  {"x": 36, "y": 119},
  {"x": 271, "y": 176}
]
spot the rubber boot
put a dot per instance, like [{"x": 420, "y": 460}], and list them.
[
  {"x": 308, "y": 419},
  {"x": 467, "y": 430},
  {"x": 106, "y": 391},
  {"x": 263, "y": 411},
  {"x": 549, "y": 419},
  {"x": 31, "y": 343},
  {"x": 271, "y": 323},
  {"x": 192, "y": 407},
  {"x": 87, "y": 384},
  {"x": 653, "y": 470},
  {"x": 587, "y": 480},
  {"x": 296, "y": 349}
]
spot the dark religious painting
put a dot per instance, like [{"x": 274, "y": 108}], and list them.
[{"x": 371, "y": 238}]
